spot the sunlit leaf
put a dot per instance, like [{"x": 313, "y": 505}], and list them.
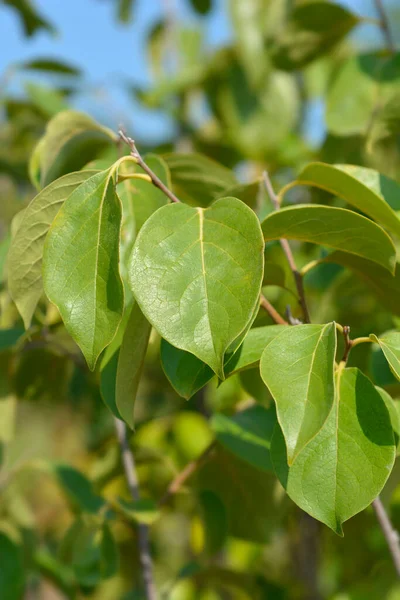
[
  {"x": 299, "y": 364},
  {"x": 332, "y": 227},
  {"x": 197, "y": 275},
  {"x": 80, "y": 265},
  {"x": 26, "y": 250},
  {"x": 346, "y": 465}
]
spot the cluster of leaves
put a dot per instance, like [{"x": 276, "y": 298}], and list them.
[{"x": 103, "y": 278}]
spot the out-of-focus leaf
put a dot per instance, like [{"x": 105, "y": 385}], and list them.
[
  {"x": 71, "y": 140},
  {"x": 215, "y": 521},
  {"x": 125, "y": 10},
  {"x": 108, "y": 381},
  {"x": 143, "y": 511},
  {"x": 130, "y": 363},
  {"x": 198, "y": 180},
  {"x": 383, "y": 140},
  {"x": 385, "y": 286},
  {"x": 78, "y": 489},
  {"x": 12, "y": 575},
  {"x": 49, "y": 65},
  {"x": 205, "y": 267},
  {"x": 202, "y": 7},
  {"x": 47, "y": 99},
  {"x": 332, "y": 227},
  {"x": 9, "y": 337},
  {"x": 31, "y": 20},
  {"x": 374, "y": 194},
  {"x": 357, "y": 438},
  {"x": 81, "y": 264},
  {"x": 248, "y": 434},
  {"x": 25, "y": 255},
  {"x": 313, "y": 29}
]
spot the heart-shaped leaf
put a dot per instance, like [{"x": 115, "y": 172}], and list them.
[
  {"x": 333, "y": 227},
  {"x": 366, "y": 189},
  {"x": 80, "y": 265},
  {"x": 346, "y": 465},
  {"x": 297, "y": 366},
  {"x": 196, "y": 274},
  {"x": 25, "y": 255}
]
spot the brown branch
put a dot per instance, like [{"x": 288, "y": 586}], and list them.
[
  {"x": 273, "y": 313},
  {"x": 155, "y": 180},
  {"x": 186, "y": 473},
  {"x": 385, "y": 27},
  {"x": 298, "y": 279},
  {"x": 391, "y": 535},
  {"x": 128, "y": 462}
]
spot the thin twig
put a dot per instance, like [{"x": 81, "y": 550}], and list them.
[
  {"x": 187, "y": 472},
  {"x": 348, "y": 343},
  {"x": 391, "y": 535},
  {"x": 298, "y": 279},
  {"x": 273, "y": 313},
  {"x": 155, "y": 180},
  {"x": 128, "y": 462},
  {"x": 385, "y": 27}
]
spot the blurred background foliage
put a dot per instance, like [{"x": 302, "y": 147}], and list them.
[{"x": 251, "y": 85}]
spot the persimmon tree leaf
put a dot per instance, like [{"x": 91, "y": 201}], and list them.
[
  {"x": 196, "y": 274},
  {"x": 346, "y": 465},
  {"x": 130, "y": 363},
  {"x": 297, "y": 366},
  {"x": 332, "y": 227},
  {"x": 366, "y": 189},
  {"x": 390, "y": 344},
  {"x": 71, "y": 140},
  {"x": 393, "y": 409},
  {"x": 12, "y": 573},
  {"x": 80, "y": 265},
  {"x": 26, "y": 250},
  {"x": 247, "y": 434}
]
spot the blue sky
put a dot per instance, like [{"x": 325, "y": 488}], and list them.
[{"x": 110, "y": 53}]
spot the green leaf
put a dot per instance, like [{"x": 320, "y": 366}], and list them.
[
  {"x": 70, "y": 141},
  {"x": 196, "y": 274},
  {"x": 346, "y": 465},
  {"x": 125, "y": 10},
  {"x": 247, "y": 434},
  {"x": 130, "y": 363},
  {"x": 383, "y": 141},
  {"x": 31, "y": 20},
  {"x": 187, "y": 374},
  {"x": 313, "y": 29},
  {"x": 198, "y": 180},
  {"x": 12, "y": 577},
  {"x": 333, "y": 227},
  {"x": 78, "y": 488},
  {"x": 48, "y": 100},
  {"x": 366, "y": 189},
  {"x": 393, "y": 409},
  {"x": 215, "y": 521},
  {"x": 25, "y": 255},
  {"x": 299, "y": 364},
  {"x": 202, "y": 7},
  {"x": 390, "y": 344},
  {"x": 109, "y": 553},
  {"x": 50, "y": 65},
  {"x": 385, "y": 286},
  {"x": 80, "y": 265},
  {"x": 108, "y": 380},
  {"x": 9, "y": 337},
  {"x": 143, "y": 511}
]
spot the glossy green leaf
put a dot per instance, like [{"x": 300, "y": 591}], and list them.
[
  {"x": 346, "y": 465},
  {"x": 247, "y": 434},
  {"x": 390, "y": 344},
  {"x": 298, "y": 369},
  {"x": 332, "y": 227},
  {"x": 80, "y": 265},
  {"x": 366, "y": 189},
  {"x": 130, "y": 363},
  {"x": 384, "y": 285},
  {"x": 187, "y": 374},
  {"x": 70, "y": 141},
  {"x": 12, "y": 575},
  {"x": 196, "y": 274},
  {"x": 198, "y": 180},
  {"x": 26, "y": 250},
  {"x": 313, "y": 29}
]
